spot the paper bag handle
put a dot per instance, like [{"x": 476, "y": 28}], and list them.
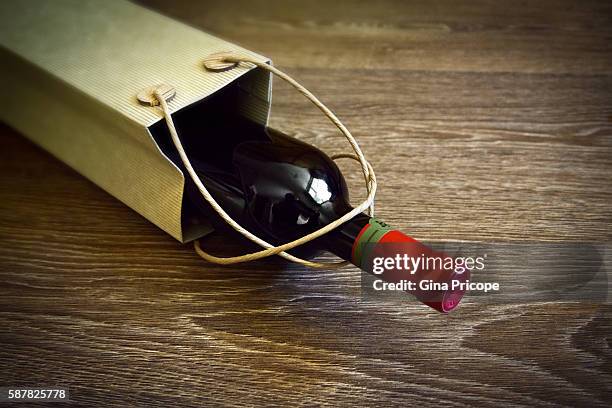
[{"x": 223, "y": 61}]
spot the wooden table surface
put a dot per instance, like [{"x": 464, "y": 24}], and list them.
[{"x": 486, "y": 121}]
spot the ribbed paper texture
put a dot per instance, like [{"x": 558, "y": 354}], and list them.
[{"x": 71, "y": 71}]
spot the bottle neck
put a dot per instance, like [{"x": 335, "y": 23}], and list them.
[
  {"x": 354, "y": 239},
  {"x": 342, "y": 240}
]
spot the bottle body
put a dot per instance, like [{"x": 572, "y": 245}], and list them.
[{"x": 280, "y": 189}]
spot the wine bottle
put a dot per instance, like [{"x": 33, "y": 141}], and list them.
[{"x": 281, "y": 189}]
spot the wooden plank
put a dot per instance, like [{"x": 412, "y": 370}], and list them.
[{"x": 442, "y": 35}]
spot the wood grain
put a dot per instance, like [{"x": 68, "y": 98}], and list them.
[{"x": 485, "y": 121}]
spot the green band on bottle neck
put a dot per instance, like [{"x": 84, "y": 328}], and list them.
[{"x": 369, "y": 234}]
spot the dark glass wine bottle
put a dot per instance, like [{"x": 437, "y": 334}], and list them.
[{"x": 281, "y": 189}]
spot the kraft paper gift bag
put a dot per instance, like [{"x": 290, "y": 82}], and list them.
[{"x": 70, "y": 74}]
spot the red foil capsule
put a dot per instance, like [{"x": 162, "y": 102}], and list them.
[{"x": 433, "y": 277}]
